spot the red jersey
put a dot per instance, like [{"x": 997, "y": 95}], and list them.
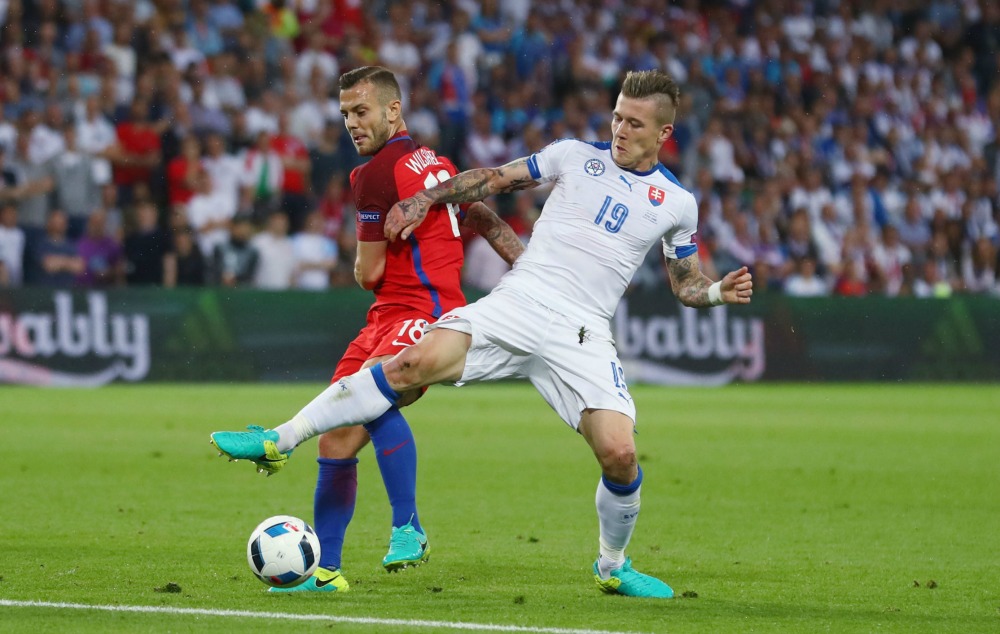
[
  {"x": 177, "y": 190},
  {"x": 136, "y": 139},
  {"x": 288, "y": 146},
  {"x": 423, "y": 271}
]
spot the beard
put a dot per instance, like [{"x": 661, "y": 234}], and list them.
[{"x": 379, "y": 135}]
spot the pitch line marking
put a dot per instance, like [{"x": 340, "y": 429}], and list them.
[{"x": 356, "y": 620}]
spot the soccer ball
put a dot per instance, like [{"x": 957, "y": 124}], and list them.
[{"x": 283, "y": 551}]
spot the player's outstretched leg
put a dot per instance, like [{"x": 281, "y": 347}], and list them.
[
  {"x": 257, "y": 445},
  {"x": 617, "y": 511},
  {"x": 396, "y": 452},
  {"x": 353, "y": 400}
]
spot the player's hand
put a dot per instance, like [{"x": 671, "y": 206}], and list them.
[
  {"x": 405, "y": 216},
  {"x": 737, "y": 286}
]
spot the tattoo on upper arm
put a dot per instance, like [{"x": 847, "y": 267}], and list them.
[{"x": 516, "y": 175}]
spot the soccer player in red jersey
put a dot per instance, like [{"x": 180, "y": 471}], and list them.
[{"x": 415, "y": 281}]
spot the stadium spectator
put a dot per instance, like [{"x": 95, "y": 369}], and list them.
[
  {"x": 103, "y": 264},
  {"x": 78, "y": 180},
  {"x": 94, "y": 133},
  {"x": 138, "y": 152},
  {"x": 145, "y": 247},
  {"x": 315, "y": 255},
  {"x": 493, "y": 31},
  {"x": 339, "y": 224},
  {"x": 209, "y": 215},
  {"x": 263, "y": 175},
  {"x": 45, "y": 133},
  {"x": 222, "y": 84},
  {"x": 11, "y": 245},
  {"x": 275, "y": 254},
  {"x": 332, "y": 156},
  {"x": 914, "y": 229},
  {"x": 225, "y": 173},
  {"x": 315, "y": 60},
  {"x": 123, "y": 58},
  {"x": 202, "y": 31},
  {"x": 184, "y": 265},
  {"x": 451, "y": 83},
  {"x": 234, "y": 261},
  {"x": 295, "y": 167},
  {"x": 851, "y": 282},
  {"x": 183, "y": 171},
  {"x": 484, "y": 146},
  {"x": 930, "y": 284},
  {"x": 32, "y": 184},
  {"x": 979, "y": 266},
  {"x": 889, "y": 256},
  {"x": 55, "y": 259},
  {"x": 8, "y": 131},
  {"x": 804, "y": 280}
]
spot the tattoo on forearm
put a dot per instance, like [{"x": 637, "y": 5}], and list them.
[
  {"x": 505, "y": 242},
  {"x": 688, "y": 282},
  {"x": 477, "y": 184},
  {"x": 467, "y": 187},
  {"x": 497, "y": 233}
]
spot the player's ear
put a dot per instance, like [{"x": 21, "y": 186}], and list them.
[
  {"x": 665, "y": 131},
  {"x": 393, "y": 110}
]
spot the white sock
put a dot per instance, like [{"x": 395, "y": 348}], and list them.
[
  {"x": 616, "y": 515},
  {"x": 353, "y": 400}
]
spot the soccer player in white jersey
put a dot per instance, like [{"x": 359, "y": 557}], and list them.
[{"x": 549, "y": 319}]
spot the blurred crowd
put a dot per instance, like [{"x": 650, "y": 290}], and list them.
[{"x": 836, "y": 147}]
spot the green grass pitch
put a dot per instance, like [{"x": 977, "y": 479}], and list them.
[{"x": 790, "y": 508}]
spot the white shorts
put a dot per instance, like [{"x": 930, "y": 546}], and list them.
[{"x": 572, "y": 367}]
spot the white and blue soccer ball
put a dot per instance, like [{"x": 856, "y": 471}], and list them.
[{"x": 283, "y": 551}]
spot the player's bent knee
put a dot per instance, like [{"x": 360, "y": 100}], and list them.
[
  {"x": 343, "y": 443},
  {"x": 405, "y": 370},
  {"x": 618, "y": 462}
]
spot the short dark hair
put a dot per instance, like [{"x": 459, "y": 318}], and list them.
[
  {"x": 382, "y": 78},
  {"x": 644, "y": 84}
]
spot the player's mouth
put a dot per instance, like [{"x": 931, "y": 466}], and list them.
[{"x": 359, "y": 139}]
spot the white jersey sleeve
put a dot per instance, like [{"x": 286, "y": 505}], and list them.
[
  {"x": 678, "y": 243},
  {"x": 547, "y": 164}
]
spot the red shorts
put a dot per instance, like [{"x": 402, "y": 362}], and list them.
[{"x": 388, "y": 331}]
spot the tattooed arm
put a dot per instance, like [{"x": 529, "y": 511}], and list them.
[
  {"x": 498, "y": 233},
  {"x": 469, "y": 186},
  {"x": 691, "y": 286}
]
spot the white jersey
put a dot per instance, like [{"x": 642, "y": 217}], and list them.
[{"x": 595, "y": 229}]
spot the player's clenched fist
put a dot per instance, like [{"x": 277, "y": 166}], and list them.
[{"x": 737, "y": 286}]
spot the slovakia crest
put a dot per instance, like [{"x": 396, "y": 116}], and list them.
[
  {"x": 594, "y": 167},
  {"x": 656, "y": 196}
]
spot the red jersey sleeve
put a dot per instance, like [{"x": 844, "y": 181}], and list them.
[{"x": 374, "y": 194}]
